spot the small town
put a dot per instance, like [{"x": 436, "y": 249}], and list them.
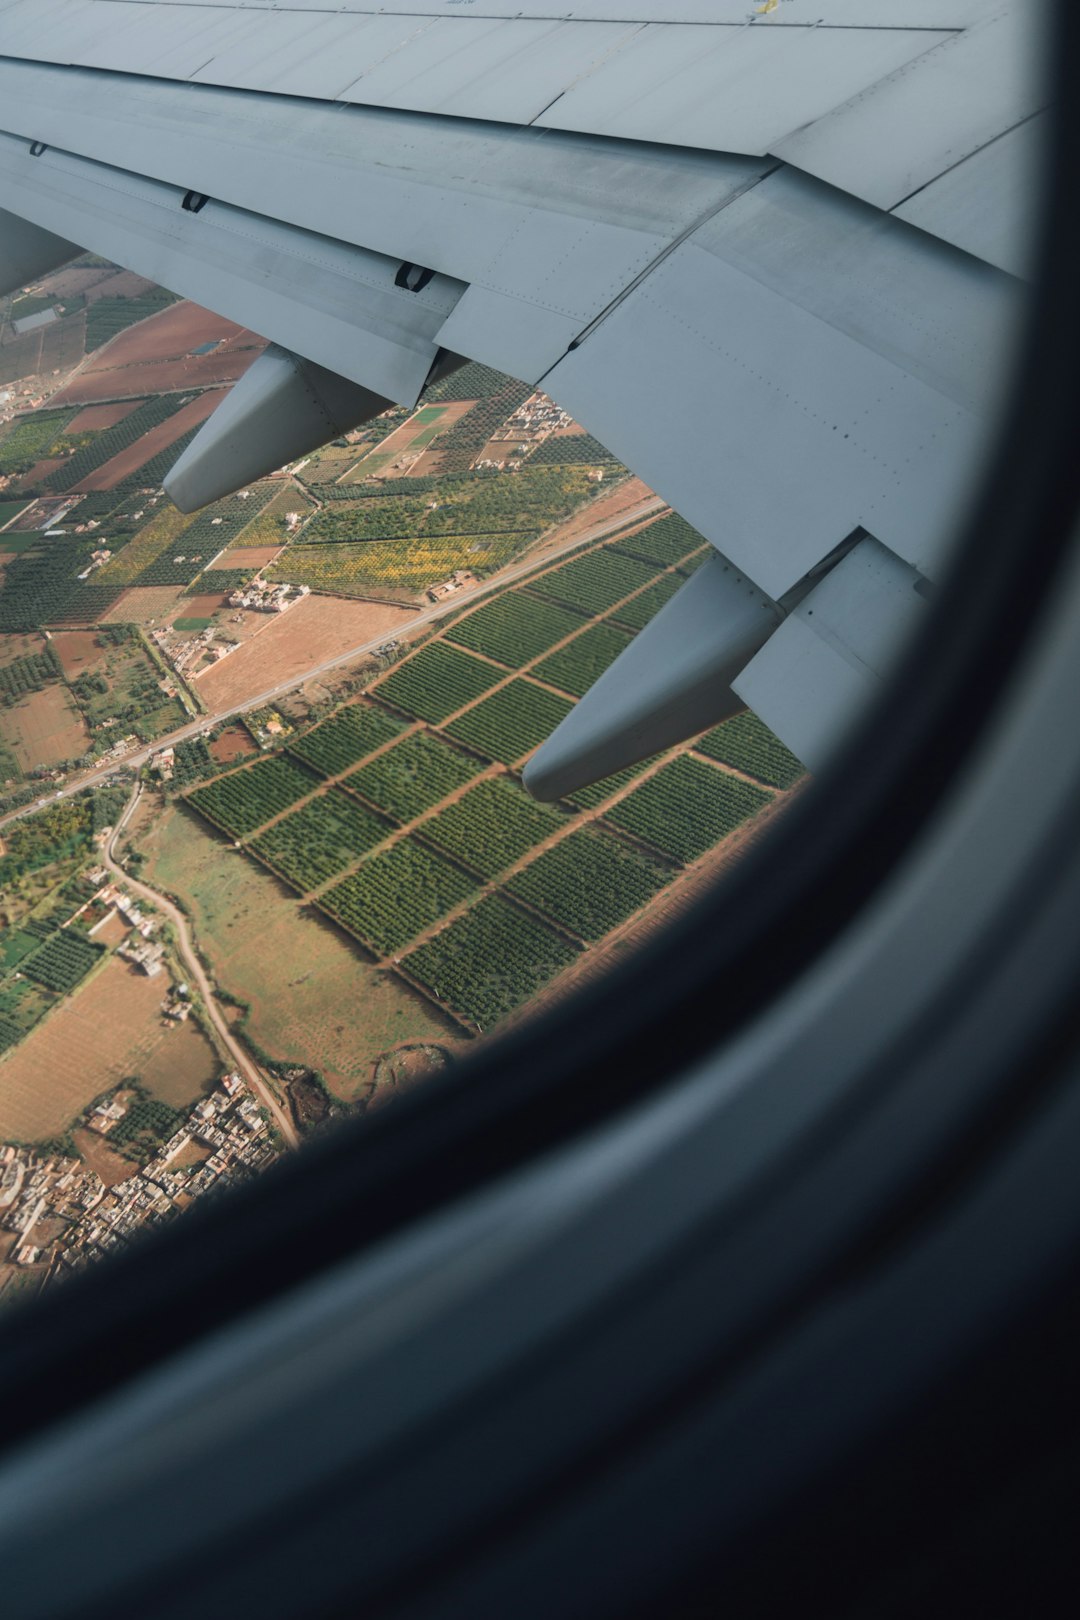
[{"x": 64, "y": 1215}]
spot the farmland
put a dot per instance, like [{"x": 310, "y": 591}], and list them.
[
  {"x": 511, "y": 722},
  {"x": 62, "y": 961},
  {"x": 594, "y": 582},
  {"x": 489, "y": 961},
  {"x": 589, "y": 882},
  {"x": 636, "y": 613},
  {"x": 513, "y": 628},
  {"x": 492, "y": 826},
  {"x": 345, "y": 738},
  {"x": 413, "y": 775},
  {"x": 747, "y": 743},
  {"x": 319, "y": 839},
  {"x": 666, "y": 542},
  {"x": 683, "y": 810},
  {"x": 401, "y": 568},
  {"x": 437, "y": 681},
  {"x": 396, "y": 895},
  {"x": 576, "y": 666},
  {"x": 104, "y": 446},
  {"x": 31, "y": 439},
  {"x": 247, "y": 799}
]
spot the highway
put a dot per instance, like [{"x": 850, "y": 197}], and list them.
[
  {"x": 139, "y": 757},
  {"x": 194, "y": 968}
]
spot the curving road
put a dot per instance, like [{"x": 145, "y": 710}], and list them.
[{"x": 186, "y": 947}]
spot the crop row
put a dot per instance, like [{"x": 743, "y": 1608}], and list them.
[
  {"x": 590, "y": 882},
  {"x": 576, "y": 666},
  {"x": 31, "y": 439},
  {"x": 150, "y": 414},
  {"x": 514, "y": 628},
  {"x": 395, "y": 895},
  {"x": 593, "y": 582},
  {"x": 747, "y": 743},
  {"x": 413, "y": 775},
  {"x": 41, "y": 587},
  {"x": 636, "y": 613},
  {"x": 474, "y": 503},
  {"x": 27, "y": 674},
  {"x": 152, "y": 473},
  {"x": 473, "y": 381},
  {"x": 511, "y": 722},
  {"x": 246, "y": 799},
  {"x": 437, "y": 681},
  {"x": 687, "y": 807},
  {"x": 319, "y": 839},
  {"x": 109, "y": 316},
  {"x": 665, "y": 542},
  {"x": 571, "y": 450},
  {"x": 490, "y": 961},
  {"x": 345, "y": 738},
  {"x": 62, "y": 961},
  {"x": 492, "y": 826},
  {"x": 460, "y": 445}
]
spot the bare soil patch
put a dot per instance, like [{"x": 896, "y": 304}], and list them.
[
  {"x": 169, "y": 335},
  {"x": 160, "y": 376},
  {"x": 253, "y": 557},
  {"x": 121, "y": 284},
  {"x": 144, "y": 604},
  {"x": 113, "y": 931},
  {"x": 201, "y": 607},
  {"x": 99, "y": 1157},
  {"x": 96, "y": 418},
  {"x": 113, "y": 472},
  {"x": 109, "y": 1029},
  {"x": 296, "y": 643},
  {"x": 77, "y": 651},
  {"x": 44, "y": 728},
  {"x": 234, "y": 743}
]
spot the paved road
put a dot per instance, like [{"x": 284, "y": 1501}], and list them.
[
  {"x": 139, "y": 756},
  {"x": 251, "y": 1073}
]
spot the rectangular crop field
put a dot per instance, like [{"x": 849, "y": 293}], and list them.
[
  {"x": 413, "y": 775},
  {"x": 590, "y": 882},
  {"x": 588, "y": 798},
  {"x": 319, "y": 839},
  {"x": 594, "y": 582},
  {"x": 637, "y": 613},
  {"x": 437, "y": 681},
  {"x": 514, "y": 628},
  {"x": 512, "y": 722},
  {"x": 687, "y": 807},
  {"x": 62, "y": 961},
  {"x": 247, "y": 799},
  {"x": 490, "y": 961},
  {"x": 346, "y": 737},
  {"x": 576, "y": 666},
  {"x": 396, "y": 895},
  {"x": 492, "y": 826},
  {"x": 747, "y": 743},
  {"x": 666, "y": 541}
]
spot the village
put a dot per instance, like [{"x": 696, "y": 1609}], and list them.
[{"x": 62, "y": 1213}]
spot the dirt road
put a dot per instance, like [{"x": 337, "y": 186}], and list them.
[{"x": 186, "y": 947}]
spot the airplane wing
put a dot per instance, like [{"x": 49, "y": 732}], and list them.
[{"x": 770, "y": 254}]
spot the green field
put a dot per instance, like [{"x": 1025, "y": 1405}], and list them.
[
  {"x": 687, "y": 807},
  {"x": 346, "y": 737},
  {"x": 514, "y": 628},
  {"x": 511, "y": 722},
  {"x": 594, "y": 582},
  {"x": 664, "y": 542},
  {"x": 64, "y": 959},
  {"x": 490, "y": 961},
  {"x": 492, "y": 826},
  {"x": 9, "y": 510},
  {"x": 590, "y": 882},
  {"x": 436, "y": 682},
  {"x": 747, "y": 744},
  {"x": 413, "y": 775},
  {"x": 636, "y": 614},
  {"x": 576, "y": 666},
  {"x": 319, "y": 839},
  {"x": 246, "y": 799},
  {"x": 192, "y": 624},
  {"x": 396, "y": 895}
]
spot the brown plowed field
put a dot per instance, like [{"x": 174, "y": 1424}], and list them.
[
  {"x": 234, "y": 743},
  {"x": 144, "y": 604},
  {"x": 169, "y": 335},
  {"x": 161, "y": 376},
  {"x": 113, "y": 472},
  {"x": 121, "y": 284},
  {"x": 96, "y": 418},
  {"x": 109, "y": 1029},
  {"x": 296, "y": 642},
  {"x": 154, "y": 357},
  {"x": 245, "y": 557},
  {"x": 70, "y": 283},
  {"x": 77, "y": 651},
  {"x": 200, "y": 607},
  {"x": 44, "y": 728}
]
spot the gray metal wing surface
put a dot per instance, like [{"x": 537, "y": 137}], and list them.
[{"x": 770, "y": 254}]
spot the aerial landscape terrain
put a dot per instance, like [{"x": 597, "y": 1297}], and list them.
[{"x": 265, "y": 855}]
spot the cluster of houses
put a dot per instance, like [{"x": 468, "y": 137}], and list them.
[
  {"x": 63, "y": 1215},
  {"x": 462, "y": 579},
  {"x": 260, "y": 597}
]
